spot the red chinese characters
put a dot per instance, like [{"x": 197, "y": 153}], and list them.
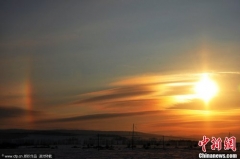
[
  {"x": 203, "y": 143},
  {"x": 216, "y": 143},
  {"x": 230, "y": 143}
]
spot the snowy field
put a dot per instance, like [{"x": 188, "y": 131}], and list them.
[{"x": 66, "y": 152}]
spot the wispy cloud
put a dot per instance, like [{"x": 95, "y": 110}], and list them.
[
  {"x": 141, "y": 89},
  {"x": 133, "y": 105},
  {"x": 117, "y": 93},
  {"x": 195, "y": 104},
  {"x": 100, "y": 116},
  {"x": 174, "y": 91},
  {"x": 7, "y": 112}
]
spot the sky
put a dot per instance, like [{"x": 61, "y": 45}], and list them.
[{"x": 104, "y": 65}]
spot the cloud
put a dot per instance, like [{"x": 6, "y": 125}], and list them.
[
  {"x": 124, "y": 99},
  {"x": 195, "y": 104},
  {"x": 179, "y": 90},
  {"x": 132, "y": 105},
  {"x": 13, "y": 112},
  {"x": 197, "y": 124},
  {"x": 100, "y": 116},
  {"x": 156, "y": 92},
  {"x": 221, "y": 102},
  {"x": 117, "y": 93},
  {"x": 141, "y": 87},
  {"x": 142, "y": 92},
  {"x": 156, "y": 79}
]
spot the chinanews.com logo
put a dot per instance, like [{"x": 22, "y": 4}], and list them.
[{"x": 229, "y": 144}]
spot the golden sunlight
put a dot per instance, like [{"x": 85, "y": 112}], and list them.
[{"x": 206, "y": 88}]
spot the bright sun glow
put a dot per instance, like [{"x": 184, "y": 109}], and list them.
[{"x": 206, "y": 88}]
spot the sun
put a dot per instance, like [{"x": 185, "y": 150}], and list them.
[{"x": 206, "y": 88}]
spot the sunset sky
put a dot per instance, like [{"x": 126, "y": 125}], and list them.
[{"x": 169, "y": 67}]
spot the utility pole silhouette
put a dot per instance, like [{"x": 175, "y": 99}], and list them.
[
  {"x": 98, "y": 142},
  {"x": 133, "y": 136},
  {"x": 163, "y": 142}
]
